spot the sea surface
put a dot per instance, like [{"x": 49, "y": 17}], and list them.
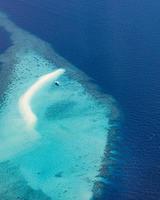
[
  {"x": 117, "y": 43},
  {"x": 5, "y": 41}
]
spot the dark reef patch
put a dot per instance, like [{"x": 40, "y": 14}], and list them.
[
  {"x": 107, "y": 185},
  {"x": 63, "y": 109}
]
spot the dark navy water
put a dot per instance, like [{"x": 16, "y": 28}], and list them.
[{"x": 118, "y": 44}]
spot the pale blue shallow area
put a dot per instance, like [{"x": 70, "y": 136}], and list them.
[{"x": 61, "y": 156}]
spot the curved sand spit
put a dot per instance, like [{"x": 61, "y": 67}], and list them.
[{"x": 25, "y": 99}]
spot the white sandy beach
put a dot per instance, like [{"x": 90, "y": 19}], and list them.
[{"x": 25, "y": 99}]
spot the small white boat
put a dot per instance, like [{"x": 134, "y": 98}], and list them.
[{"x": 57, "y": 83}]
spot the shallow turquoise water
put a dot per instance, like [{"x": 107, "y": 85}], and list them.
[{"x": 62, "y": 155}]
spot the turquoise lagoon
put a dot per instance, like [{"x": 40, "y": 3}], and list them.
[{"x": 60, "y": 156}]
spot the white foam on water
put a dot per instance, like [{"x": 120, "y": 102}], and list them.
[{"x": 55, "y": 135}]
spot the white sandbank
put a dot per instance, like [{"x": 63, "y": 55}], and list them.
[{"x": 25, "y": 100}]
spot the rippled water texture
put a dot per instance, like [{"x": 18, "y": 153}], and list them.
[{"x": 60, "y": 156}]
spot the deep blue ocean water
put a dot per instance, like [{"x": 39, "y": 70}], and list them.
[
  {"x": 118, "y": 44},
  {"x": 5, "y": 41}
]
